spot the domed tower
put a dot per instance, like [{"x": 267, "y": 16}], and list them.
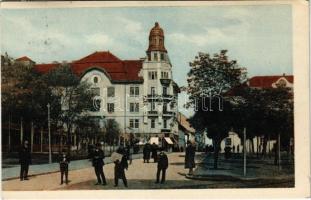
[
  {"x": 156, "y": 50},
  {"x": 158, "y": 86}
]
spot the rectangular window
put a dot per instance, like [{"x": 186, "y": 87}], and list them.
[
  {"x": 164, "y": 123},
  {"x": 134, "y": 91},
  {"x": 152, "y": 75},
  {"x": 153, "y": 91},
  {"x": 164, "y": 74},
  {"x": 155, "y": 55},
  {"x": 164, "y": 90},
  {"x": 110, "y": 107},
  {"x": 134, "y": 107},
  {"x": 152, "y": 106},
  {"x": 131, "y": 123},
  {"x": 162, "y": 56},
  {"x": 228, "y": 141},
  {"x": 134, "y": 123},
  {"x": 164, "y": 107},
  {"x": 110, "y": 91},
  {"x": 152, "y": 123}
]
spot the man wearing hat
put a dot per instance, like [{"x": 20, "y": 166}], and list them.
[
  {"x": 24, "y": 160},
  {"x": 162, "y": 166},
  {"x": 98, "y": 163}
]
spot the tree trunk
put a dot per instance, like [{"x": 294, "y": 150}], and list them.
[
  {"x": 257, "y": 143},
  {"x": 216, "y": 153},
  {"x": 9, "y": 142},
  {"x": 31, "y": 136},
  {"x": 264, "y": 148},
  {"x": 41, "y": 140},
  {"x": 21, "y": 132}
]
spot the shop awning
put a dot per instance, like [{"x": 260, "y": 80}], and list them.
[
  {"x": 168, "y": 140},
  {"x": 154, "y": 140}
]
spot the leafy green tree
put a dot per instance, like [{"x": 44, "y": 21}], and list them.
[
  {"x": 75, "y": 97},
  {"x": 265, "y": 112},
  {"x": 112, "y": 131},
  {"x": 209, "y": 80}
]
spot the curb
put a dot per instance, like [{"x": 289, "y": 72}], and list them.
[{"x": 235, "y": 178}]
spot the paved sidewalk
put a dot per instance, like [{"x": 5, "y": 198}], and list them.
[{"x": 13, "y": 172}]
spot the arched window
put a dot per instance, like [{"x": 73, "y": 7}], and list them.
[{"x": 95, "y": 79}]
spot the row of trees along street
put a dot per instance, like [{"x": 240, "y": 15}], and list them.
[
  {"x": 25, "y": 96},
  {"x": 217, "y": 89}
]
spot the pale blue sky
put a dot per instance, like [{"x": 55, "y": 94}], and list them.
[{"x": 258, "y": 37}]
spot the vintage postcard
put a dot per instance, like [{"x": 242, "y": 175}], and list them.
[{"x": 155, "y": 99}]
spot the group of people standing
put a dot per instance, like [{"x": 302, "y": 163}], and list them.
[
  {"x": 150, "y": 149},
  {"x": 97, "y": 157}
]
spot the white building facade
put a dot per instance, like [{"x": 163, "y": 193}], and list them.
[{"x": 140, "y": 95}]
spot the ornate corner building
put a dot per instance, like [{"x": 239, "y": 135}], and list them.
[{"x": 139, "y": 94}]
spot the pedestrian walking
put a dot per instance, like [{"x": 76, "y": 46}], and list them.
[
  {"x": 189, "y": 157},
  {"x": 119, "y": 168},
  {"x": 98, "y": 163},
  {"x": 63, "y": 166},
  {"x": 162, "y": 166},
  {"x": 154, "y": 150},
  {"x": 146, "y": 153},
  {"x": 24, "y": 160}
]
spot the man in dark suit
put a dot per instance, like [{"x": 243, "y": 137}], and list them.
[
  {"x": 154, "y": 150},
  {"x": 63, "y": 165},
  {"x": 162, "y": 166},
  {"x": 24, "y": 160},
  {"x": 119, "y": 168},
  {"x": 146, "y": 152},
  {"x": 98, "y": 163}
]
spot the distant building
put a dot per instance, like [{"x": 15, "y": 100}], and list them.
[
  {"x": 257, "y": 143},
  {"x": 185, "y": 131},
  {"x": 263, "y": 82},
  {"x": 25, "y": 61}
]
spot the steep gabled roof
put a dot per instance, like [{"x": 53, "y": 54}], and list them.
[
  {"x": 24, "y": 58},
  {"x": 183, "y": 122}
]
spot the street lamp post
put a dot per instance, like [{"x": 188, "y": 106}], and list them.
[{"x": 49, "y": 128}]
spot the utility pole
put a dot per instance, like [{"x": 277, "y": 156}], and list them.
[
  {"x": 49, "y": 127},
  {"x": 244, "y": 150}
]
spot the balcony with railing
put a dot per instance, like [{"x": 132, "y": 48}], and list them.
[
  {"x": 165, "y": 81},
  {"x": 152, "y": 112}
]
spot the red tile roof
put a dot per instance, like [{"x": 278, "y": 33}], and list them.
[
  {"x": 267, "y": 81},
  {"x": 117, "y": 70},
  {"x": 183, "y": 122},
  {"x": 24, "y": 58},
  {"x": 45, "y": 68}
]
